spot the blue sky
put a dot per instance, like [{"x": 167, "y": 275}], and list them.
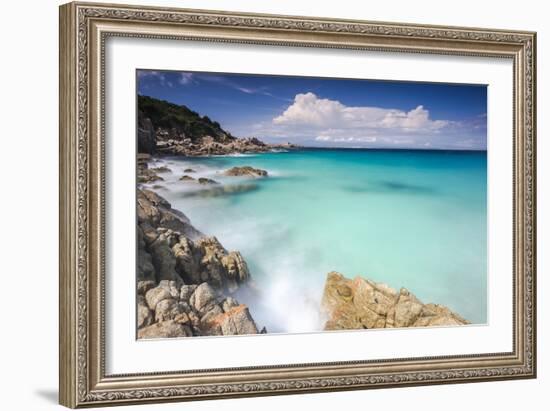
[{"x": 315, "y": 111}]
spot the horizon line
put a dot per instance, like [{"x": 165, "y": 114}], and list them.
[{"x": 390, "y": 148}]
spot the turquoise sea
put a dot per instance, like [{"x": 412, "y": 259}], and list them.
[{"x": 407, "y": 218}]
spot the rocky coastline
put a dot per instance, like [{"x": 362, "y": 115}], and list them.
[
  {"x": 207, "y": 146},
  {"x": 169, "y": 129},
  {"x": 188, "y": 283}
]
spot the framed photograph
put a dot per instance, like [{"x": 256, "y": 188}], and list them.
[{"x": 259, "y": 204}]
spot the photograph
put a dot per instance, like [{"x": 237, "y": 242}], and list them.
[
  {"x": 264, "y": 202},
  {"x": 290, "y": 204}
]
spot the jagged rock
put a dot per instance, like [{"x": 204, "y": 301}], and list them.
[
  {"x": 361, "y": 303},
  {"x": 245, "y": 171},
  {"x": 165, "y": 329},
  {"x": 186, "y": 178}
]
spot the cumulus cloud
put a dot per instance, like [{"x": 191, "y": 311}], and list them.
[{"x": 308, "y": 110}]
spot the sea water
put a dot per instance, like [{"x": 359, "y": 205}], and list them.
[{"x": 406, "y": 218}]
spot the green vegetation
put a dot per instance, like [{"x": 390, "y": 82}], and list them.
[{"x": 169, "y": 116}]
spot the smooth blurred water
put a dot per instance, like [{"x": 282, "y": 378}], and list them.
[{"x": 414, "y": 219}]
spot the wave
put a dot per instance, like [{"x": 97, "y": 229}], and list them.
[{"x": 289, "y": 288}]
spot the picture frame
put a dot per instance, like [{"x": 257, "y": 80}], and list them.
[{"x": 85, "y": 29}]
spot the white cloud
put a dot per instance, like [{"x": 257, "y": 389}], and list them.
[{"x": 308, "y": 110}]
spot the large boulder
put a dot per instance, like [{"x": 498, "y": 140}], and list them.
[{"x": 361, "y": 303}]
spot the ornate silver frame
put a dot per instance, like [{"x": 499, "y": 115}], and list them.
[{"x": 83, "y": 30}]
